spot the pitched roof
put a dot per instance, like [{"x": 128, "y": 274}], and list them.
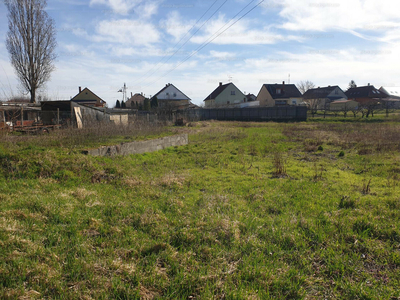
[
  {"x": 319, "y": 92},
  {"x": 167, "y": 86},
  {"x": 341, "y": 101},
  {"x": 87, "y": 100},
  {"x": 392, "y": 92},
  {"x": 136, "y": 98},
  {"x": 368, "y": 91},
  {"x": 251, "y": 97},
  {"x": 217, "y": 91},
  {"x": 287, "y": 90}
]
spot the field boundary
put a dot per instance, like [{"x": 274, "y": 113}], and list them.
[{"x": 139, "y": 147}]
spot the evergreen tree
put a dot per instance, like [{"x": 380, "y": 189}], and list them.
[
  {"x": 154, "y": 102},
  {"x": 117, "y": 104},
  {"x": 123, "y": 105},
  {"x": 146, "y": 104}
]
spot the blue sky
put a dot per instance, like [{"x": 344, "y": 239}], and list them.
[{"x": 104, "y": 43}]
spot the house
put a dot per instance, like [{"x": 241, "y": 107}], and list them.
[
  {"x": 279, "y": 95},
  {"x": 251, "y": 97},
  {"x": 366, "y": 95},
  {"x": 393, "y": 94},
  {"x": 172, "y": 98},
  {"x": 87, "y": 97},
  {"x": 322, "y": 97},
  {"x": 225, "y": 95},
  {"x": 343, "y": 105},
  {"x": 134, "y": 100}
]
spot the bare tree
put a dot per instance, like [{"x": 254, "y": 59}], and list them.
[
  {"x": 31, "y": 42},
  {"x": 303, "y": 86}
]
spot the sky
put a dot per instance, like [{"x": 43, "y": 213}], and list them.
[{"x": 195, "y": 44}]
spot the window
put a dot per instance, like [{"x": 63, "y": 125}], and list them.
[
  {"x": 167, "y": 94},
  {"x": 278, "y": 91},
  {"x": 174, "y": 94},
  {"x": 294, "y": 102},
  {"x": 233, "y": 93},
  {"x": 336, "y": 92}
]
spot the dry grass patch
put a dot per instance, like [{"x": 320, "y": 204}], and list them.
[{"x": 82, "y": 193}]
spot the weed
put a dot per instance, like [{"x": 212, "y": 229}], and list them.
[
  {"x": 341, "y": 153},
  {"x": 346, "y": 202},
  {"x": 318, "y": 173},
  {"x": 279, "y": 165},
  {"x": 366, "y": 188}
]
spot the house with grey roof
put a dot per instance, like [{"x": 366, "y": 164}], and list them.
[
  {"x": 171, "y": 97},
  {"x": 393, "y": 93},
  {"x": 322, "y": 97},
  {"x": 225, "y": 95},
  {"x": 279, "y": 95}
]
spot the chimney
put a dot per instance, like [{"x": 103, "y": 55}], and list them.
[
  {"x": 368, "y": 83},
  {"x": 80, "y": 89},
  {"x": 220, "y": 83},
  {"x": 166, "y": 85},
  {"x": 131, "y": 95},
  {"x": 283, "y": 82}
]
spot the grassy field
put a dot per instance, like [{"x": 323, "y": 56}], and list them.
[{"x": 245, "y": 211}]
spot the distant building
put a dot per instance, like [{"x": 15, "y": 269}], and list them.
[
  {"x": 366, "y": 95},
  {"x": 393, "y": 99},
  {"x": 322, "y": 97},
  {"x": 87, "y": 97},
  {"x": 343, "y": 105},
  {"x": 225, "y": 95},
  {"x": 170, "y": 97},
  {"x": 251, "y": 97},
  {"x": 135, "y": 99},
  {"x": 279, "y": 95}
]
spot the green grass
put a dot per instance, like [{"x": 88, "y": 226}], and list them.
[{"x": 210, "y": 220}]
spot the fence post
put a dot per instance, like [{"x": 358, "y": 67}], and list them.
[
  {"x": 22, "y": 116},
  {"x": 58, "y": 116},
  {"x": 4, "y": 117}
]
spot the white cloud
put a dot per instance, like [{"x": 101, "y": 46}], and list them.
[
  {"x": 345, "y": 15},
  {"x": 127, "y": 32},
  {"x": 143, "y": 8},
  {"x": 174, "y": 26},
  {"x": 242, "y": 32}
]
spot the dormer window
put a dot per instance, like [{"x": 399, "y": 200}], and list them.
[{"x": 279, "y": 91}]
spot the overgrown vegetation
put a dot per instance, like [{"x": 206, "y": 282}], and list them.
[{"x": 245, "y": 211}]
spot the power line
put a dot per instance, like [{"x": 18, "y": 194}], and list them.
[
  {"x": 145, "y": 77},
  {"x": 212, "y": 38}
]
